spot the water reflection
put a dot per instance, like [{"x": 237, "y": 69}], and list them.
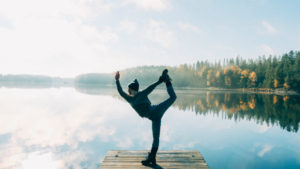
[
  {"x": 44, "y": 128},
  {"x": 74, "y": 128},
  {"x": 272, "y": 109}
]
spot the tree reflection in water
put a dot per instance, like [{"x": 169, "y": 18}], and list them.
[{"x": 272, "y": 109}]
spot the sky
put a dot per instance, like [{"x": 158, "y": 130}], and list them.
[{"x": 69, "y": 37}]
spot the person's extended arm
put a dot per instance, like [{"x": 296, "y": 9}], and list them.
[
  {"x": 120, "y": 90},
  {"x": 150, "y": 88}
]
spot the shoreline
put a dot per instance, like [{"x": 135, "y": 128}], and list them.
[
  {"x": 279, "y": 91},
  {"x": 246, "y": 90}
]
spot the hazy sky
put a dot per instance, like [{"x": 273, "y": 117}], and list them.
[{"x": 69, "y": 37}]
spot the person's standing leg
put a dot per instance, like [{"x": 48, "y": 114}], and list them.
[
  {"x": 157, "y": 114},
  {"x": 155, "y": 132}
]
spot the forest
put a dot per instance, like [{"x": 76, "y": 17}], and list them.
[{"x": 271, "y": 72}]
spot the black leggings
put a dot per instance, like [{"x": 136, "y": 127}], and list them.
[{"x": 157, "y": 112}]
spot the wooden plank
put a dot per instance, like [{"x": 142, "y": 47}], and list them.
[{"x": 175, "y": 159}]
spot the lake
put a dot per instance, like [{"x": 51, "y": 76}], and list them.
[{"x": 73, "y": 128}]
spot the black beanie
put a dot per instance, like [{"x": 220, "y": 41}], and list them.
[{"x": 134, "y": 85}]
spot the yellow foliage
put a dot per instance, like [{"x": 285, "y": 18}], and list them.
[
  {"x": 253, "y": 78},
  {"x": 224, "y": 108},
  {"x": 275, "y": 99},
  {"x": 209, "y": 74},
  {"x": 202, "y": 71},
  {"x": 199, "y": 102},
  {"x": 208, "y": 93},
  {"x": 252, "y": 103},
  {"x": 208, "y": 83},
  {"x": 218, "y": 74},
  {"x": 234, "y": 109},
  {"x": 244, "y": 106},
  {"x": 202, "y": 107},
  {"x": 276, "y": 83},
  {"x": 217, "y": 103},
  {"x": 286, "y": 98},
  {"x": 236, "y": 69},
  {"x": 208, "y": 96},
  {"x": 210, "y": 78},
  {"x": 286, "y": 85},
  {"x": 225, "y": 70},
  {"x": 244, "y": 74}
]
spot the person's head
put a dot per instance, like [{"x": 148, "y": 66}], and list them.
[{"x": 133, "y": 87}]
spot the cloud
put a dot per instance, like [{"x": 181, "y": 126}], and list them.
[
  {"x": 268, "y": 27},
  {"x": 15, "y": 156},
  {"x": 18, "y": 10},
  {"x": 265, "y": 149},
  {"x": 4, "y": 22},
  {"x": 54, "y": 43},
  {"x": 154, "y": 5},
  {"x": 125, "y": 142},
  {"x": 127, "y": 26},
  {"x": 160, "y": 33},
  {"x": 184, "y": 146},
  {"x": 266, "y": 50},
  {"x": 38, "y": 160},
  {"x": 45, "y": 125},
  {"x": 188, "y": 27},
  {"x": 54, "y": 37}
]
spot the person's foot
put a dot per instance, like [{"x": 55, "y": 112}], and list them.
[
  {"x": 165, "y": 76},
  {"x": 150, "y": 161}
]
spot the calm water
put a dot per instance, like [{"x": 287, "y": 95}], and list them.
[{"x": 70, "y": 128}]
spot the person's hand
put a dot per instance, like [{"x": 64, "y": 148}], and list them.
[
  {"x": 117, "y": 76},
  {"x": 161, "y": 79}
]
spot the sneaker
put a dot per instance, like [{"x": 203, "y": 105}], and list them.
[{"x": 150, "y": 161}]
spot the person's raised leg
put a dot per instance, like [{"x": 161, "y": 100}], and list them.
[
  {"x": 162, "y": 107},
  {"x": 167, "y": 80},
  {"x": 171, "y": 92}
]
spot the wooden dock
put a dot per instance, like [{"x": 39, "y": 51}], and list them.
[{"x": 117, "y": 159}]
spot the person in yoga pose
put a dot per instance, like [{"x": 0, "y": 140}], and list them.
[{"x": 142, "y": 105}]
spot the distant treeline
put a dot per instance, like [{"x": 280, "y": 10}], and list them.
[
  {"x": 265, "y": 72},
  {"x": 30, "y": 81},
  {"x": 273, "y": 72}
]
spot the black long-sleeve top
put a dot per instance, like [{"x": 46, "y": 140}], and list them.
[{"x": 139, "y": 102}]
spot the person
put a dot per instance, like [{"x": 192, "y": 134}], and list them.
[{"x": 142, "y": 105}]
